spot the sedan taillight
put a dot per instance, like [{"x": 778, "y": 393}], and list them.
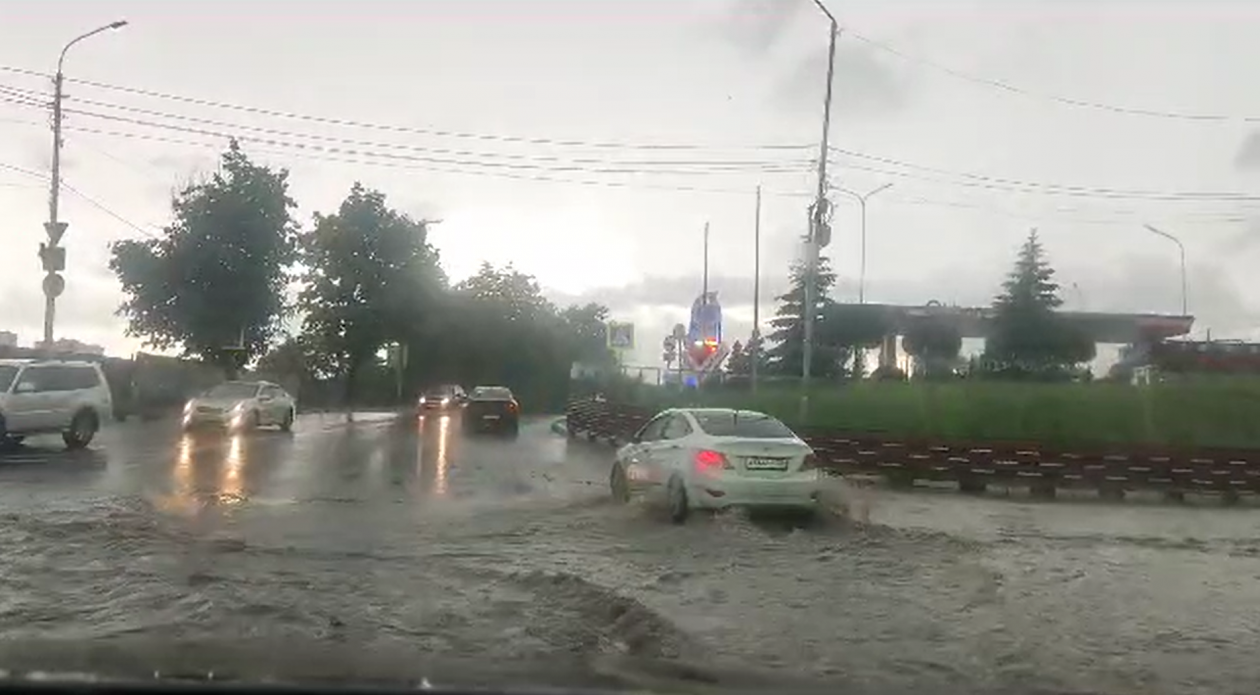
[{"x": 710, "y": 460}]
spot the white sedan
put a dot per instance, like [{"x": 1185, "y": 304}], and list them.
[
  {"x": 241, "y": 405},
  {"x": 713, "y": 458}
]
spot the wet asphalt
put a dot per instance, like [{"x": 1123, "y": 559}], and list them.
[{"x": 394, "y": 548}]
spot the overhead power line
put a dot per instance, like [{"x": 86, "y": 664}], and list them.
[
  {"x": 1058, "y": 99},
  {"x": 433, "y": 132},
  {"x": 1018, "y": 186},
  {"x": 81, "y": 195}
]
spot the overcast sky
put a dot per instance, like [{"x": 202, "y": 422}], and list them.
[{"x": 534, "y": 130}]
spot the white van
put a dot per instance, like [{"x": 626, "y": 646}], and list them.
[{"x": 50, "y": 396}]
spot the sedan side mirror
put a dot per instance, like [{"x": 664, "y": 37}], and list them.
[{"x": 25, "y": 387}]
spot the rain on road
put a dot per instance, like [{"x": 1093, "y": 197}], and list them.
[{"x": 392, "y": 548}]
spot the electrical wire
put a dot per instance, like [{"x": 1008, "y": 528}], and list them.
[
  {"x": 433, "y": 132},
  {"x": 81, "y": 195},
  {"x": 1062, "y": 100}
]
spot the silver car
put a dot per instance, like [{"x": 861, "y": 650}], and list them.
[{"x": 241, "y": 405}]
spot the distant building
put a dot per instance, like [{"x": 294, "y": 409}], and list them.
[
  {"x": 76, "y": 347},
  {"x": 8, "y": 339}
]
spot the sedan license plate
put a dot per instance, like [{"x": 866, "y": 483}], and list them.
[
  {"x": 765, "y": 464},
  {"x": 489, "y": 417}
]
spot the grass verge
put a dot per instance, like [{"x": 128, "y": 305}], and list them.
[{"x": 1193, "y": 413}]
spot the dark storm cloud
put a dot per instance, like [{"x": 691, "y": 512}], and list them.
[
  {"x": 757, "y": 25},
  {"x": 863, "y": 83},
  {"x": 1139, "y": 284},
  {"x": 676, "y": 291}
]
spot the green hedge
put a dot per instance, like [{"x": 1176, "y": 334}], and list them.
[{"x": 1199, "y": 413}]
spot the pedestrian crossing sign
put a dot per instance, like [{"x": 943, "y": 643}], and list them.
[{"x": 620, "y": 335}]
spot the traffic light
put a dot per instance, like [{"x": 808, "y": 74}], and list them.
[{"x": 669, "y": 348}]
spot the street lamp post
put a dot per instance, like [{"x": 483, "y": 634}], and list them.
[
  {"x": 51, "y": 254},
  {"x": 1182, "y": 250},
  {"x": 861, "y": 199},
  {"x": 816, "y": 240}
]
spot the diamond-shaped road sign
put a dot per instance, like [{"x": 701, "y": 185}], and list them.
[{"x": 55, "y": 230}]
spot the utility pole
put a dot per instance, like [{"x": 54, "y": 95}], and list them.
[
  {"x": 52, "y": 256},
  {"x": 819, "y": 235},
  {"x": 704, "y": 288},
  {"x": 756, "y": 331},
  {"x": 861, "y": 199}
]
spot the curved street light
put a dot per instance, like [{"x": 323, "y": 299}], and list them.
[
  {"x": 861, "y": 199},
  {"x": 50, "y": 255},
  {"x": 1182, "y": 249}
]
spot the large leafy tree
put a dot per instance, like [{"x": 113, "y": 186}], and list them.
[
  {"x": 370, "y": 274},
  {"x": 744, "y": 354},
  {"x": 586, "y": 326},
  {"x": 213, "y": 283},
  {"x": 1027, "y": 335},
  {"x": 786, "y": 354},
  {"x": 846, "y": 331},
  {"x": 934, "y": 344}
]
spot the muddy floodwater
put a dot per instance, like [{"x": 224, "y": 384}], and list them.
[{"x": 386, "y": 549}]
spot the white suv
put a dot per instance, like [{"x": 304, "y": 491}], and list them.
[{"x": 48, "y": 396}]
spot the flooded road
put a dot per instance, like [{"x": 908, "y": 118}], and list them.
[{"x": 391, "y": 548}]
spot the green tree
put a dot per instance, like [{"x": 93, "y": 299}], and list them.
[
  {"x": 743, "y": 355},
  {"x": 586, "y": 327},
  {"x": 847, "y": 330},
  {"x": 738, "y": 362},
  {"x": 215, "y": 279},
  {"x": 369, "y": 276},
  {"x": 934, "y": 344},
  {"x": 787, "y": 336},
  {"x": 1027, "y": 335}
]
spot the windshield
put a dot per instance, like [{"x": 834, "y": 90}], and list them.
[
  {"x": 232, "y": 390},
  {"x": 7, "y": 372},
  {"x": 749, "y": 425},
  {"x": 990, "y": 260}
]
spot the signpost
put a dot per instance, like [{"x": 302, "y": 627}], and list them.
[{"x": 620, "y": 336}]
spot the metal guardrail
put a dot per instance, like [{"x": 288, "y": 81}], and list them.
[{"x": 974, "y": 465}]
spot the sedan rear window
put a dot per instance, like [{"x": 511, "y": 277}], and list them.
[
  {"x": 233, "y": 389},
  {"x": 735, "y": 424},
  {"x": 492, "y": 393}
]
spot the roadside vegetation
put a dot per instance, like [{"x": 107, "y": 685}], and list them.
[
  {"x": 353, "y": 307},
  {"x": 1206, "y": 412}
]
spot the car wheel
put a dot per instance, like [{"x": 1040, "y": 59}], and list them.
[
  {"x": 286, "y": 425},
  {"x": 679, "y": 506},
  {"x": 619, "y": 484},
  {"x": 82, "y": 429}
]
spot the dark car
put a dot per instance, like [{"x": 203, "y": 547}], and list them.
[
  {"x": 444, "y": 397},
  {"x": 492, "y": 409}
]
